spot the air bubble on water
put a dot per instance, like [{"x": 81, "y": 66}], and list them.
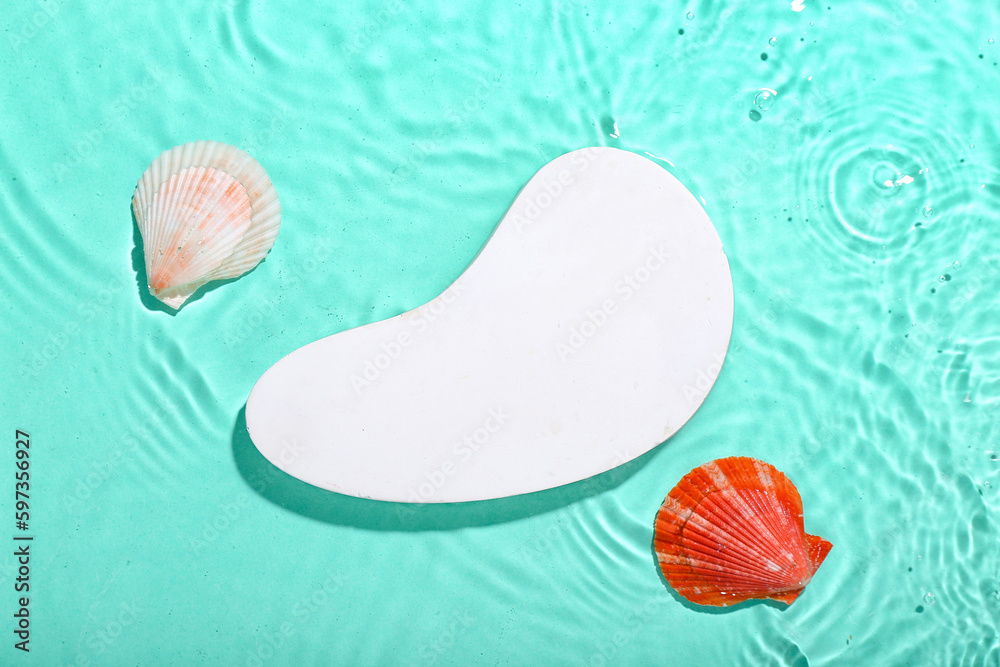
[
  {"x": 690, "y": 15},
  {"x": 764, "y": 99},
  {"x": 755, "y": 115},
  {"x": 945, "y": 278},
  {"x": 991, "y": 40},
  {"x": 928, "y": 211},
  {"x": 929, "y": 598},
  {"x": 772, "y": 41},
  {"x": 957, "y": 264}
]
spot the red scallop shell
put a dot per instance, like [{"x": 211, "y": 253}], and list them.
[{"x": 731, "y": 530}]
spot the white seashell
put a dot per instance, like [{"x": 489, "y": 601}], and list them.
[{"x": 206, "y": 211}]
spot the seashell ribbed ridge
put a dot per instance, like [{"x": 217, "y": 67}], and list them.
[
  {"x": 206, "y": 211},
  {"x": 732, "y": 530}
]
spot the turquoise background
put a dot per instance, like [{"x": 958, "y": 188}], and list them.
[{"x": 865, "y": 360}]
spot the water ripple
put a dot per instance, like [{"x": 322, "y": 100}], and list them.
[
  {"x": 860, "y": 214},
  {"x": 876, "y": 183}
]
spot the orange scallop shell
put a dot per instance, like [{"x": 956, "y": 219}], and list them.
[{"x": 731, "y": 530}]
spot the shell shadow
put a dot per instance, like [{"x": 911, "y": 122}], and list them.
[
  {"x": 703, "y": 609},
  {"x": 142, "y": 281},
  {"x": 334, "y": 508}
]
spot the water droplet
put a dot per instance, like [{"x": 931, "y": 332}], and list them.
[
  {"x": 930, "y": 599},
  {"x": 690, "y": 15},
  {"x": 764, "y": 100},
  {"x": 991, "y": 40},
  {"x": 755, "y": 115},
  {"x": 772, "y": 41},
  {"x": 957, "y": 265},
  {"x": 945, "y": 278},
  {"x": 928, "y": 211}
]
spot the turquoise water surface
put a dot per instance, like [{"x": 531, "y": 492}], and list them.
[{"x": 847, "y": 153}]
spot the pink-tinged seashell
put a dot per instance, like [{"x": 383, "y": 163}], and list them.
[
  {"x": 206, "y": 211},
  {"x": 732, "y": 530}
]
